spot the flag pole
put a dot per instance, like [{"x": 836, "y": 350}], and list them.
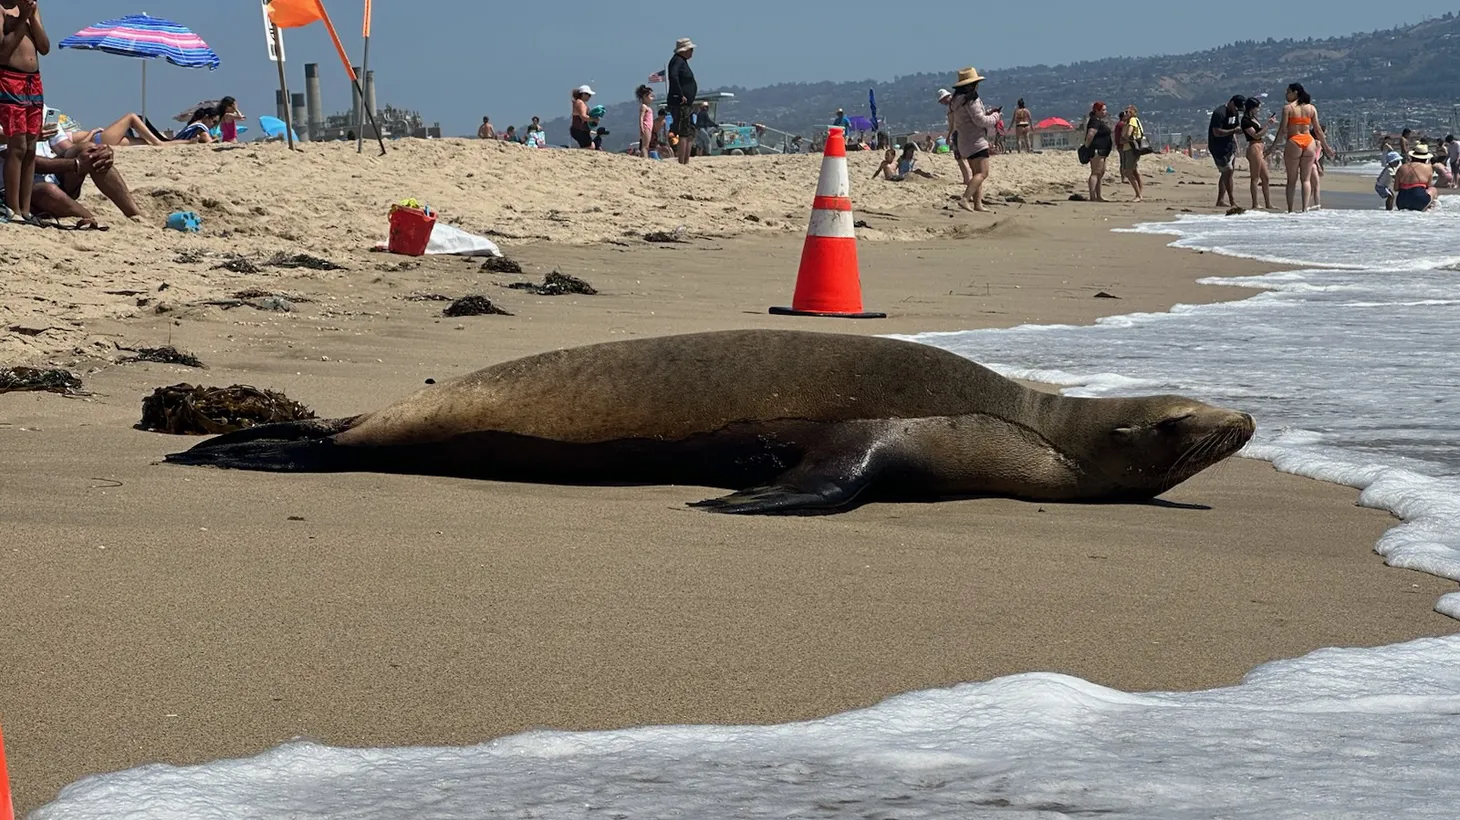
[
  {"x": 350, "y": 70},
  {"x": 364, "y": 67},
  {"x": 284, "y": 87}
]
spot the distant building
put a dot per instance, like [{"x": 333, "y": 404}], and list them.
[{"x": 394, "y": 123}]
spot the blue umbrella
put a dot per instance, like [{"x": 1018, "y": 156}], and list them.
[
  {"x": 273, "y": 127},
  {"x": 872, "y": 101},
  {"x": 146, "y": 38}
]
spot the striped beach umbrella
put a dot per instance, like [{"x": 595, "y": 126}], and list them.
[{"x": 146, "y": 38}]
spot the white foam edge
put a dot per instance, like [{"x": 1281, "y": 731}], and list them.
[{"x": 1421, "y": 542}]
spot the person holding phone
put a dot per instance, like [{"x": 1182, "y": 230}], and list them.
[{"x": 972, "y": 124}]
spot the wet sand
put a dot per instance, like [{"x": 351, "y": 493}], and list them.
[{"x": 157, "y": 613}]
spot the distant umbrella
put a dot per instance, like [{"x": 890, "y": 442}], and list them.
[
  {"x": 146, "y": 38},
  {"x": 273, "y": 128},
  {"x": 187, "y": 115},
  {"x": 872, "y": 103},
  {"x": 1054, "y": 122}
]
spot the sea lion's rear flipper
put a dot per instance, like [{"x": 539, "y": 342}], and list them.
[
  {"x": 830, "y": 477},
  {"x": 777, "y": 498},
  {"x": 291, "y": 446}
]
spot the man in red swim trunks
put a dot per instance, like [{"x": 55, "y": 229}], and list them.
[{"x": 22, "y": 102}]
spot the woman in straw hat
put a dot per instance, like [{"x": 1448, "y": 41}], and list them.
[
  {"x": 972, "y": 124},
  {"x": 1412, "y": 181}
]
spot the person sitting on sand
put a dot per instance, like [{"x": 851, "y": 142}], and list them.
[
  {"x": 1384, "y": 185},
  {"x": 907, "y": 165},
  {"x": 510, "y": 135},
  {"x": 58, "y": 182},
  {"x": 1413, "y": 191},
  {"x": 535, "y": 137},
  {"x": 486, "y": 131}
]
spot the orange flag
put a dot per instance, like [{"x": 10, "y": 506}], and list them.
[{"x": 295, "y": 13}]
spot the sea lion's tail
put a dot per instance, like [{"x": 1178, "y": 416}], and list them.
[{"x": 294, "y": 446}]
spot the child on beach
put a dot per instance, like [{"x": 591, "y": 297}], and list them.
[
  {"x": 906, "y": 166},
  {"x": 229, "y": 115},
  {"x": 1384, "y": 185},
  {"x": 22, "y": 102}
]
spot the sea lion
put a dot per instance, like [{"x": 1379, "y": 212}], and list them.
[{"x": 793, "y": 421}]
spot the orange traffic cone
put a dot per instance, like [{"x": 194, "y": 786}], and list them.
[
  {"x": 828, "y": 283},
  {"x": 7, "y": 806}
]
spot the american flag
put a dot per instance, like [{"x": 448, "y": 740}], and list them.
[{"x": 656, "y": 77}]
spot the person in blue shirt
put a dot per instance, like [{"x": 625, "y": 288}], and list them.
[{"x": 841, "y": 120}]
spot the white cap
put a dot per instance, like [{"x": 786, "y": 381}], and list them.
[
  {"x": 583, "y": 89},
  {"x": 944, "y": 94}
]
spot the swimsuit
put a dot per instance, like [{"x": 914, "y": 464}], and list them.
[
  {"x": 1304, "y": 141},
  {"x": 1413, "y": 196},
  {"x": 22, "y": 101},
  {"x": 1249, "y": 122}
]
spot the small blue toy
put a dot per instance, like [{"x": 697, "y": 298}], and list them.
[{"x": 185, "y": 221}]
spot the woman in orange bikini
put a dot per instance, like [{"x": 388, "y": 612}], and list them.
[{"x": 1300, "y": 135}]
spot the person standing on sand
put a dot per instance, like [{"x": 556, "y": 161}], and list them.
[
  {"x": 681, "y": 97},
  {"x": 1130, "y": 154},
  {"x": 1023, "y": 128},
  {"x": 486, "y": 132},
  {"x": 645, "y": 95},
  {"x": 1222, "y": 145},
  {"x": 1099, "y": 140},
  {"x": 972, "y": 124},
  {"x": 578, "y": 126},
  {"x": 951, "y": 137},
  {"x": 1300, "y": 135},
  {"x": 1255, "y": 130},
  {"x": 22, "y": 103}
]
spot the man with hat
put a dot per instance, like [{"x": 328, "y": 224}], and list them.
[
  {"x": 682, "y": 91},
  {"x": 1222, "y": 144},
  {"x": 841, "y": 121}
]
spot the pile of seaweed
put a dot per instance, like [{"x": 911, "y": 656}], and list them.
[
  {"x": 185, "y": 409},
  {"x": 556, "y": 283},
  {"x": 52, "y": 380},
  {"x": 165, "y": 355},
  {"x": 501, "y": 264},
  {"x": 473, "y": 306}
]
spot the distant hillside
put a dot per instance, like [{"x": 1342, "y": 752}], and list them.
[{"x": 1407, "y": 76}]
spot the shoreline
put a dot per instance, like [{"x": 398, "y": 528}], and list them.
[{"x": 411, "y": 602}]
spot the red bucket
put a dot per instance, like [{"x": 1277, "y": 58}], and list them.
[{"x": 410, "y": 230}]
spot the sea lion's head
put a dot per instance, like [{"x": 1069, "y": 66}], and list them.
[{"x": 1142, "y": 447}]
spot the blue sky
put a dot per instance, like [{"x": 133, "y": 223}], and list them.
[{"x": 456, "y": 60}]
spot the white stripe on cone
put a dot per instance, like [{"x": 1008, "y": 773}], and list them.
[
  {"x": 832, "y": 224},
  {"x": 833, "y": 180}
]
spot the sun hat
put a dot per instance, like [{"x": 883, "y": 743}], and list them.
[
  {"x": 683, "y": 44},
  {"x": 1420, "y": 151},
  {"x": 583, "y": 89},
  {"x": 1392, "y": 157},
  {"x": 967, "y": 76},
  {"x": 944, "y": 94}
]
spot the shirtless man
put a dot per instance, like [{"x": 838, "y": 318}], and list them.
[
  {"x": 22, "y": 102},
  {"x": 486, "y": 132}
]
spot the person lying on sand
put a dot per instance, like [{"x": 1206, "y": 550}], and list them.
[
  {"x": 198, "y": 129},
  {"x": 119, "y": 133},
  {"x": 58, "y": 182}
]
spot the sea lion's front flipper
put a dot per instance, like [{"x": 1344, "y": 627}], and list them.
[{"x": 830, "y": 477}]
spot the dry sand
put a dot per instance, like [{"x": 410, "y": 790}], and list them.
[{"x": 160, "y": 613}]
